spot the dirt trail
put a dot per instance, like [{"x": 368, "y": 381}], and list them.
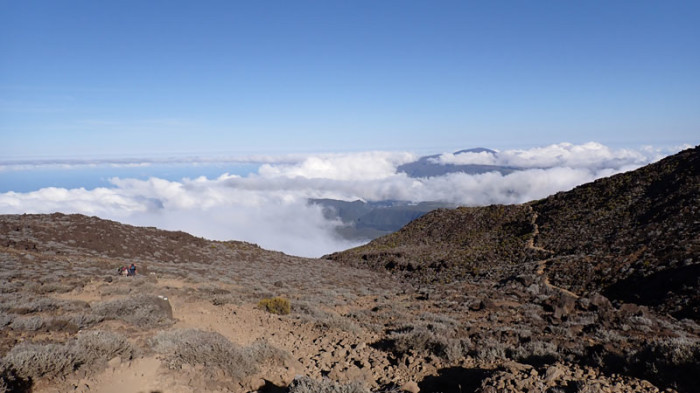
[
  {"x": 138, "y": 376},
  {"x": 541, "y": 269},
  {"x": 535, "y": 232},
  {"x": 542, "y": 264}
]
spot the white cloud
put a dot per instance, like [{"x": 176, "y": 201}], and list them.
[
  {"x": 357, "y": 166},
  {"x": 269, "y": 208},
  {"x": 588, "y": 155}
]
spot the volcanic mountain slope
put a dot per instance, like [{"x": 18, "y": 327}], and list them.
[
  {"x": 633, "y": 236},
  {"x": 480, "y": 300},
  {"x": 201, "y": 316}
]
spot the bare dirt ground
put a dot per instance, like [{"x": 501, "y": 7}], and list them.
[{"x": 242, "y": 325}]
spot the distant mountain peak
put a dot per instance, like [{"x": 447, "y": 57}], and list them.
[
  {"x": 476, "y": 150},
  {"x": 429, "y": 166}
]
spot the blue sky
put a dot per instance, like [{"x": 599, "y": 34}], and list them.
[{"x": 154, "y": 78}]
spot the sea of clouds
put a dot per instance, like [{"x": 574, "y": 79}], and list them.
[{"x": 269, "y": 207}]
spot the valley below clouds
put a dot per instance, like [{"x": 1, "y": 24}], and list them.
[{"x": 270, "y": 206}]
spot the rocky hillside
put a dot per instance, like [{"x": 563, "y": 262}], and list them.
[
  {"x": 633, "y": 236},
  {"x": 448, "y": 245},
  {"x": 76, "y": 234}
]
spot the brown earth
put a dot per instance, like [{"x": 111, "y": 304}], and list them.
[{"x": 350, "y": 326}]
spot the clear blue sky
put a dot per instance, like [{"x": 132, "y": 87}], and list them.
[{"x": 137, "y": 78}]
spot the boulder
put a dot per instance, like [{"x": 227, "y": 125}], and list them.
[
  {"x": 560, "y": 306},
  {"x": 599, "y": 302},
  {"x": 410, "y": 387},
  {"x": 553, "y": 373}
]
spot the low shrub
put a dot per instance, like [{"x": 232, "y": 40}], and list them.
[
  {"x": 535, "y": 352},
  {"x": 37, "y": 360},
  {"x": 220, "y": 300},
  {"x": 338, "y": 322},
  {"x": 89, "y": 349},
  {"x": 5, "y": 319},
  {"x": 490, "y": 350},
  {"x": 10, "y": 382},
  {"x": 83, "y": 321},
  {"x": 146, "y": 311},
  {"x": 97, "y": 345},
  {"x": 261, "y": 352},
  {"x": 43, "y": 288},
  {"x": 673, "y": 362},
  {"x": 275, "y": 305},
  {"x": 210, "y": 349},
  {"x": 48, "y": 304},
  {"x": 308, "y": 385},
  {"x": 324, "y": 319},
  {"x": 45, "y": 324},
  {"x": 30, "y": 324},
  {"x": 422, "y": 341}
]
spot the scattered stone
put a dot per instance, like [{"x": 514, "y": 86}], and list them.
[
  {"x": 410, "y": 387},
  {"x": 487, "y": 304},
  {"x": 600, "y": 302},
  {"x": 553, "y": 373}
]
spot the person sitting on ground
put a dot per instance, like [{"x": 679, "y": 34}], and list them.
[{"x": 132, "y": 270}]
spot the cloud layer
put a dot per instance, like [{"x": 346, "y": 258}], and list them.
[
  {"x": 588, "y": 155},
  {"x": 269, "y": 207}
]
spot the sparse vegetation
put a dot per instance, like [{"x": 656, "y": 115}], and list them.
[
  {"x": 89, "y": 349},
  {"x": 146, "y": 311},
  {"x": 671, "y": 361},
  {"x": 428, "y": 340},
  {"x": 213, "y": 351},
  {"x": 308, "y": 385}
]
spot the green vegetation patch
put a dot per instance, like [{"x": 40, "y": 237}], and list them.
[{"x": 275, "y": 305}]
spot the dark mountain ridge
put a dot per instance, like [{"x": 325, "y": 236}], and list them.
[{"x": 633, "y": 236}]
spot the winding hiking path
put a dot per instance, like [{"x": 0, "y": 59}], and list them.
[{"x": 542, "y": 264}]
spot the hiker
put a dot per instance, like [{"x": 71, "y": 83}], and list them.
[{"x": 132, "y": 270}]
